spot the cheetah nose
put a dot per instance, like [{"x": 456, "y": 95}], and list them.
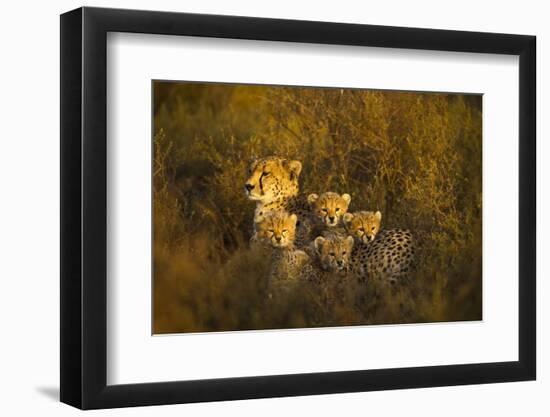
[
  {"x": 248, "y": 187},
  {"x": 340, "y": 263},
  {"x": 278, "y": 238},
  {"x": 331, "y": 218}
]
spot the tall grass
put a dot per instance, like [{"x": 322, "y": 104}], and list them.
[{"x": 416, "y": 157}]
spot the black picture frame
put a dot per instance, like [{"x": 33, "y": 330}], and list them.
[{"x": 84, "y": 207}]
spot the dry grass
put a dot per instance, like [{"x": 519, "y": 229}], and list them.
[{"x": 415, "y": 157}]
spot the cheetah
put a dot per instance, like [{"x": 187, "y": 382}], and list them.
[
  {"x": 331, "y": 272},
  {"x": 329, "y": 207},
  {"x": 334, "y": 252},
  {"x": 277, "y": 230},
  {"x": 388, "y": 258},
  {"x": 387, "y": 254},
  {"x": 363, "y": 225},
  {"x": 273, "y": 184}
]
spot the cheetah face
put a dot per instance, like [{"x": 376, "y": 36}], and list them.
[
  {"x": 363, "y": 225},
  {"x": 329, "y": 207},
  {"x": 334, "y": 252},
  {"x": 277, "y": 228},
  {"x": 271, "y": 178}
]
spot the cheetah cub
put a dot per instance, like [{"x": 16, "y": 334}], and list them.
[
  {"x": 388, "y": 255},
  {"x": 331, "y": 267},
  {"x": 363, "y": 225},
  {"x": 277, "y": 230},
  {"x": 334, "y": 252},
  {"x": 327, "y": 211}
]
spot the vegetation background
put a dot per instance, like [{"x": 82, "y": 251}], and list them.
[{"x": 416, "y": 157}]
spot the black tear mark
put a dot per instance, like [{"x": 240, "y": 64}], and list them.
[{"x": 261, "y": 183}]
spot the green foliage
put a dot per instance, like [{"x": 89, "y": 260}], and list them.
[{"x": 416, "y": 157}]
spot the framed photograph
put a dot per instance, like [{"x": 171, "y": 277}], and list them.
[{"x": 258, "y": 208}]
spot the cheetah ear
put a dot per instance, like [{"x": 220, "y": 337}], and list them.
[
  {"x": 252, "y": 160},
  {"x": 295, "y": 168},
  {"x": 378, "y": 216},
  {"x": 348, "y": 217},
  {"x": 347, "y": 198},
  {"x": 312, "y": 198},
  {"x": 293, "y": 218},
  {"x": 349, "y": 242},
  {"x": 260, "y": 218},
  {"x": 319, "y": 242}
]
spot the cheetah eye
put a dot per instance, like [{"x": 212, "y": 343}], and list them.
[
  {"x": 266, "y": 174},
  {"x": 373, "y": 228},
  {"x": 324, "y": 210},
  {"x": 337, "y": 209},
  {"x": 285, "y": 231},
  {"x": 361, "y": 229},
  {"x": 343, "y": 253},
  {"x": 332, "y": 254},
  {"x": 271, "y": 231}
]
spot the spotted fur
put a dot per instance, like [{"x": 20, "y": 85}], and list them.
[{"x": 390, "y": 257}]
